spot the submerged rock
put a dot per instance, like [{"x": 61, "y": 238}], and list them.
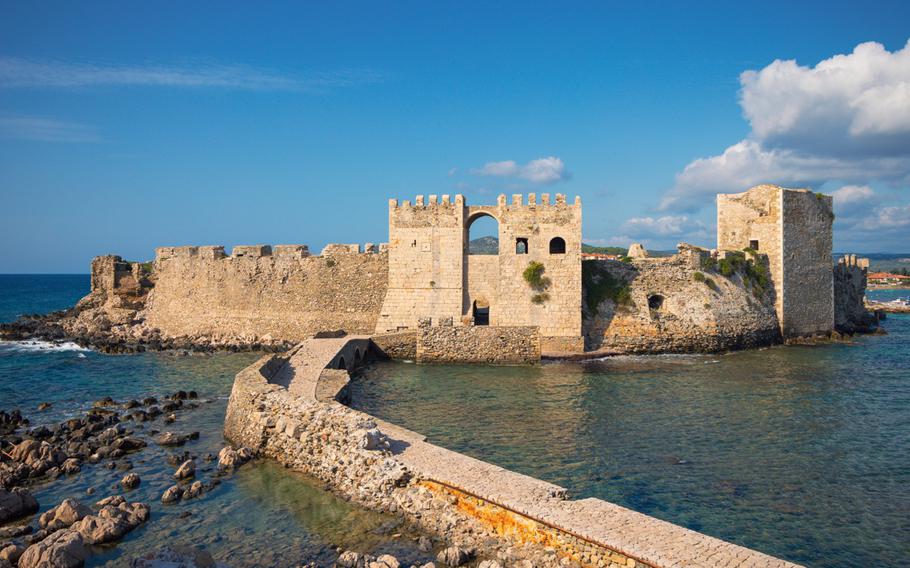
[
  {"x": 130, "y": 481},
  {"x": 175, "y": 439},
  {"x": 176, "y": 557},
  {"x": 186, "y": 470},
  {"x": 230, "y": 458},
  {"x": 16, "y": 503},
  {"x": 172, "y": 494}
]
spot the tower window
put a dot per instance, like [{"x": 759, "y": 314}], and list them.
[
  {"x": 557, "y": 245},
  {"x": 521, "y": 246},
  {"x": 753, "y": 244}
]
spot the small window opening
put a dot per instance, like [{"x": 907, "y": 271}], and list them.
[
  {"x": 521, "y": 246},
  {"x": 341, "y": 363},
  {"x": 557, "y": 245},
  {"x": 753, "y": 244},
  {"x": 655, "y": 302},
  {"x": 414, "y": 243}
]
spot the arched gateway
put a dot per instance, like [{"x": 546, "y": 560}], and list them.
[{"x": 432, "y": 273}]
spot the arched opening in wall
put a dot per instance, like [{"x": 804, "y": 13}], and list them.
[
  {"x": 483, "y": 234},
  {"x": 557, "y": 245},
  {"x": 481, "y": 311},
  {"x": 655, "y": 302},
  {"x": 341, "y": 363},
  {"x": 358, "y": 358}
]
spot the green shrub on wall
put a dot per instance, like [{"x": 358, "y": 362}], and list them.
[
  {"x": 599, "y": 284},
  {"x": 533, "y": 275}
]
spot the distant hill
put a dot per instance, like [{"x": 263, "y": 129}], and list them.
[
  {"x": 484, "y": 245},
  {"x": 603, "y": 250}
]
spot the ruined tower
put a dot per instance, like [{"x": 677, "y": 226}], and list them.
[
  {"x": 794, "y": 228},
  {"x": 431, "y": 274}
]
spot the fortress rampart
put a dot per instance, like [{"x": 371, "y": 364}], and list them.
[
  {"x": 264, "y": 293},
  {"x": 771, "y": 278}
]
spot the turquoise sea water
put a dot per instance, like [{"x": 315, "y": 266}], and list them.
[
  {"x": 800, "y": 452},
  {"x": 264, "y": 515}
]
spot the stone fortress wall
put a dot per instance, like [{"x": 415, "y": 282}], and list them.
[
  {"x": 276, "y": 296},
  {"x": 265, "y": 293},
  {"x": 793, "y": 227},
  {"x": 432, "y": 275}
]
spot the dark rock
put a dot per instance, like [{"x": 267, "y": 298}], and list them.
[{"x": 15, "y": 504}]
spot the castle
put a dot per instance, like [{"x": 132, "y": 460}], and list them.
[{"x": 771, "y": 278}]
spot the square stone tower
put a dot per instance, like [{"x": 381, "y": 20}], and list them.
[
  {"x": 794, "y": 228},
  {"x": 432, "y": 275}
]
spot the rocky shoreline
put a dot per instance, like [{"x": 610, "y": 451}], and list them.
[{"x": 111, "y": 435}]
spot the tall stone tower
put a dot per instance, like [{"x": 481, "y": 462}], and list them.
[
  {"x": 794, "y": 228},
  {"x": 432, "y": 275}
]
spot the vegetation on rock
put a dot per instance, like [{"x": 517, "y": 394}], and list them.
[{"x": 599, "y": 285}]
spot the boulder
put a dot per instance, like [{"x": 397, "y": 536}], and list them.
[
  {"x": 230, "y": 458},
  {"x": 194, "y": 490},
  {"x": 176, "y": 557},
  {"x": 186, "y": 470},
  {"x": 489, "y": 564},
  {"x": 350, "y": 559},
  {"x": 453, "y": 556},
  {"x": 175, "y": 439},
  {"x": 112, "y": 522},
  {"x": 130, "y": 481},
  {"x": 62, "y": 549},
  {"x": 15, "y": 504},
  {"x": 172, "y": 494},
  {"x": 385, "y": 561},
  {"x": 63, "y": 515},
  {"x": 11, "y": 553}
]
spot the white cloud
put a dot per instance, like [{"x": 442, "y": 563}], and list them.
[
  {"x": 663, "y": 227},
  {"x": 18, "y": 72},
  {"x": 541, "y": 171},
  {"x": 45, "y": 130},
  {"x": 845, "y": 120},
  {"x": 852, "y": 194}
]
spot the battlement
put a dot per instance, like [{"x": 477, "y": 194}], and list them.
[
  {"x": 516, "y": 200},
  {"x": 216, "y": 252},
  {"x": 851, "y": 260}
]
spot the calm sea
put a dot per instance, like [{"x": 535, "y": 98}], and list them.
[
  {"x": 264, "y": 515},
  {"x": 800, "y": 452}
]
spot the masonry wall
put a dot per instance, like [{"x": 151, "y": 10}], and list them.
[
  {"x": 518, "y": 345},
  {"x": 793, "y": 228},
  {"x": 808, "y": 286},
  {"x": 426, "y": 243},
  {"x": 850, "y": 313},
  {"x": 258, "y": 293}
]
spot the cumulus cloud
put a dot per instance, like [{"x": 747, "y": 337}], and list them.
[
  {"x": 663, "y": 229},
  {"x": 540, "y": 171},
  {"x": 847, "y": 120},
  {"x": 43, "y": 129},
  {"x": 16, "y": 72}
]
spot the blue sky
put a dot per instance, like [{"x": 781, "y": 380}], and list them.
[{"x": 125, "y": 126}]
